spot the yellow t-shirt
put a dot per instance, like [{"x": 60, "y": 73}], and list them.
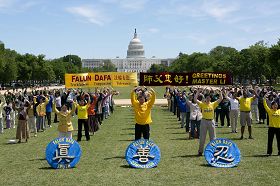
[
  {"x": 274, "y": 116},
  {"x": 208, "y": 109},
  {"x": 82, "y": 112},
  {"x": 142, "y": 112},
  {"x": 245, "y": 103}
]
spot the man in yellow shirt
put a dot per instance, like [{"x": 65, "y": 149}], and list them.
[
  {"x": 274, "y": 125},
  {"x": 245, "y": 112},
  {"x": 207, "y": 123},
  {"x": 142, "y": 110}
]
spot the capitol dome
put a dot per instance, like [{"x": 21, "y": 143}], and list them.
[{"x": 135, "y": 48}]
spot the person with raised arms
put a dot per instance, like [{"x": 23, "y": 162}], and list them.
[
  {"x": 245, "y": 112},
  {"x": 82, "y": 113},
  {"x": 207, "y": 122},
  {"x": 274, "y": 124},
  {"x": 65, "y": 126},
  {"x": 142, "y": 110}
]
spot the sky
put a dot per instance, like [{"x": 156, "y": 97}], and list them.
[{"x": 104, "y": 28}]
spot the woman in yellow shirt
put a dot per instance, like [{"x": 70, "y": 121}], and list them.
[
  {"x": 65, "y": 126},
  {"x": 274, "y": 125},
  {"x": 82, "y": 113}
]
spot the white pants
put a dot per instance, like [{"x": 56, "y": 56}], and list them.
[
  {"x": 255, "y": 112},
  {"x": 233, "y": 119},
  {"x": 13, "y": 119},
  {"x": 65, "y": 134},
  {"x": 32, "y": 124},
  {"x": 1, "y": 125},
  {"x": 183, "y": 119}
]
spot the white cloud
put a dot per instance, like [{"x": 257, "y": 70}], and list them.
[
  {"x": 6, "y": 3},
  {"x": 129, "y": 5},
  {"x": 216, "y": 9},
  {"x": 153, "y": 30},
  {"x": 15, "y": 6},
  {"x": 90, "y": 14},
  {"x": 219, "y": 9}
]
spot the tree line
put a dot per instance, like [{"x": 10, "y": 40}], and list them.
[
  {"x": 258, "y": 63},
  {"x": 29, "y": 70}
]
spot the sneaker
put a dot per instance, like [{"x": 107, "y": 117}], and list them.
[
  {"x": 241, "y": 138},
  {"x": 199, "y": 154},
  {"x": 35, "y": 135},
  {"x": 250, "y": 137}
]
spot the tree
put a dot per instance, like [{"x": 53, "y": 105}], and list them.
[{"x": 158, "y": 68}]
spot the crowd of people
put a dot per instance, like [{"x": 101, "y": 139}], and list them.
[
  {"x": 33, "y": 110},
  {"x": 203, "y": 109},
  {"x": 200, "y": 110}
]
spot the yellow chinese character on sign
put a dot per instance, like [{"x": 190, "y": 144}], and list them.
[
  {"x": 178, "y": 79},
  {"x": 148, "y": 78},
  {"x": 158, "y": 79},
  {"x": 167, "y": 78},
  {"x": 119, "y": 77}
]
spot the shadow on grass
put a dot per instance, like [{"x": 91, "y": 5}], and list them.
[
  {"x": 173, "y": 128},
  {"x": 127, "y": 134},
  {"x": 205, "y": 165},
  {"x": 126, "y": 167},
  {"x": 127, "y": 140},
  {"x": 128, "y": 128},
  {"x": 38, "y": 159},
  {"x": 115, "y": 157},
  {"x": 236, "y": 138},
  {"x": 258, "y": 156},
  {"x": 180, "y": 138},
  {"x": 188, "y": 156},
  {"x": 178, "y": 133},
  {"x": 46, "y": 168}
]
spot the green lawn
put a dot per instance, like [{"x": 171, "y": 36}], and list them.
[{"x": 103, "y": 163}]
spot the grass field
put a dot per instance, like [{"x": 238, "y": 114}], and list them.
[{"x": 103, "y": 163}]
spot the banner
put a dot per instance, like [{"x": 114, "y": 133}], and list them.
[
  {"x": 222, "y": 152},
  {"x": 185, "y": 79},
  {"x": 142, "y": 154},
  {"x": 87, "y": 80}
]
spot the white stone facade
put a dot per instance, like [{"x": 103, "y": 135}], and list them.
[{"x": 134, "y": 62}]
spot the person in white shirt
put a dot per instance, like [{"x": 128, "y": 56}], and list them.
[
  {"x": 2, "y": 104},
  {"x": 234, "y": 109},
  {"x": 195, "y": 117}
]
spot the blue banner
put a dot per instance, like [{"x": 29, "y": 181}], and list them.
[
  {"x": 222, "y": 152},
  {"x": 63, "y": 153},
  {"x": 142, "y": 154}
]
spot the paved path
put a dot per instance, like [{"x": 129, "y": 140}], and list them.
[{"x": 127, "y": 102}]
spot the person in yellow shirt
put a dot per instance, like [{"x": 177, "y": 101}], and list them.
[
  {"x": 245, "y": 112},
  {"x": 41, "y": 113},
  {"x": 142, "y": 110},
  {"x": 207, "y": 122},
  {"x": 274, "y": 125},
  {"x": 82, "y": 113},
  {"x": 65, "y": 126}
]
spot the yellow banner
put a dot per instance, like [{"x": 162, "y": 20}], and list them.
[{"x": 116, "y": 79}]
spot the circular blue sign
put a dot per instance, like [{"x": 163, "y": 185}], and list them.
[
  {"x": 222, "y": 152},
  {"x": 63, "y": 153},
  {"x": 142, "y": 154}
]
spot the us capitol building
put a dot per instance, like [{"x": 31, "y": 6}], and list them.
[{"x": 135, "y": 60}]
